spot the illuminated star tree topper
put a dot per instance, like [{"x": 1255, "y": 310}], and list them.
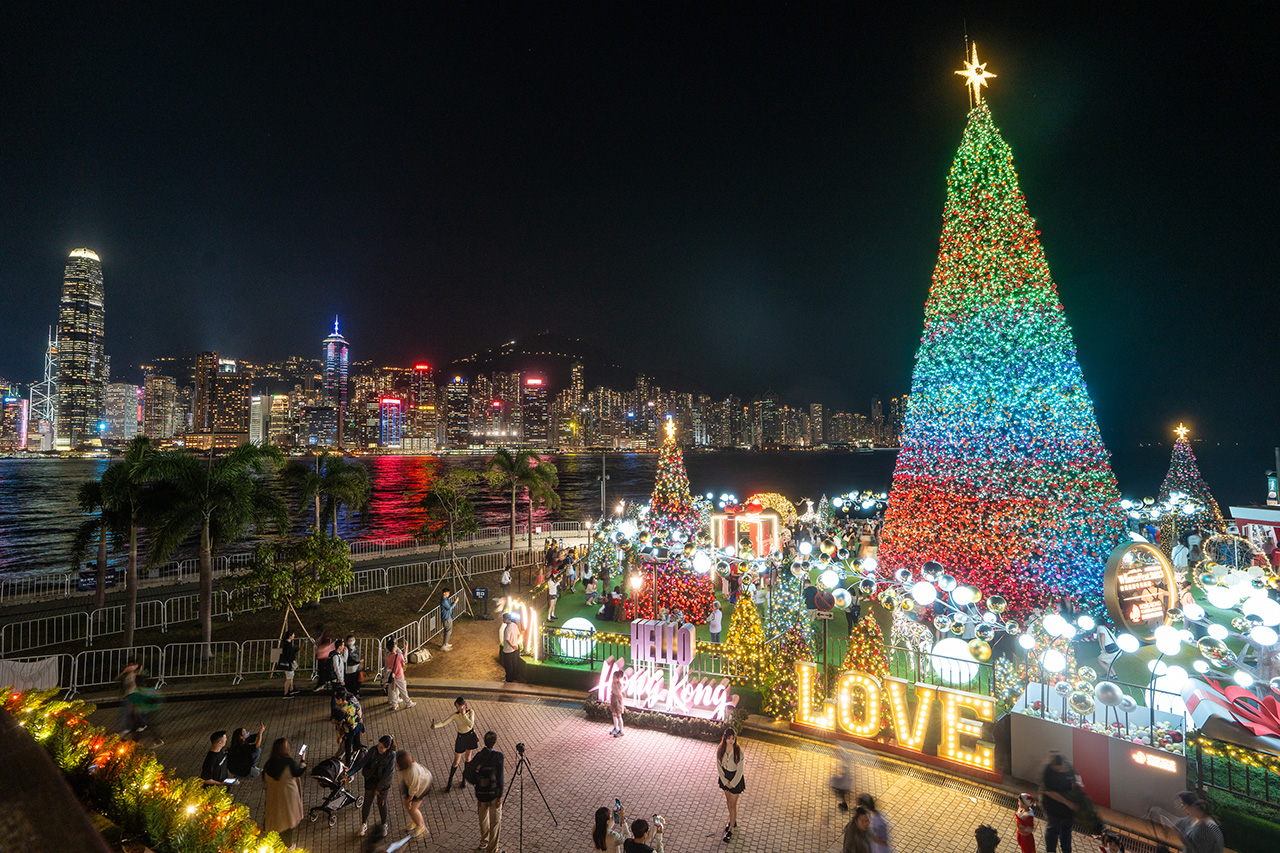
[{"x": 975, "y": 76}]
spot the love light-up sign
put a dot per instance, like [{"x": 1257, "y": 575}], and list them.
[{"x": 856, "y": 710}]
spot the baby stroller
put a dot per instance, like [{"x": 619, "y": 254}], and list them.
[{"x": 332, "y": 775}]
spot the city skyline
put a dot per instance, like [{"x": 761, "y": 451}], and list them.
[{"x": 752, "y": 207}]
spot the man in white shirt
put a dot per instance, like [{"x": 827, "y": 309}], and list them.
[
  {"x": 715, "y": 621},
  {"x": 1181, "y": 554},
  {"x": 505, "y": 583}
]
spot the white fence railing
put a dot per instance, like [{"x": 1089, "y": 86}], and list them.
[
  {"x": 97, "y": 668},
  {"x": 42, "y": 586},
  {"x": 100, "y": 667},
  {"x": 416, "y": 634},
  {"x": 87, "y": 626}
]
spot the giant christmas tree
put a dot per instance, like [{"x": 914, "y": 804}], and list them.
[
  {"x": 672, "y": 509},
  {"x": 1184, "y": 476},
  {"x": 1002, "y": 476}
]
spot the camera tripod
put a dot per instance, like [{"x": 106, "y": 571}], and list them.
[{"x": 521, "y": 766}]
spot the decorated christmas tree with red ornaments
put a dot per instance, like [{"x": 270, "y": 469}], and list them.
[
  {"x": 672, "y": 509},
  {"x": 1184, "y": 476},
  {"x": 677, "y": 588},
  {"x": 1002, "y": 477}
]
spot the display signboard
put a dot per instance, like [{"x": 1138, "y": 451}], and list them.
[{"x": 1140, "y": 588}]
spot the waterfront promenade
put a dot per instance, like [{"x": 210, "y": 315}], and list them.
[{"x": 787, "y": 806}]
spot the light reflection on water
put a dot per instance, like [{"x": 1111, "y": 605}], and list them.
[{"x": 38, "y": 513}]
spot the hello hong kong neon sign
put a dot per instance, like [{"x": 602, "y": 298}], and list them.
[{"x": 664, "y": 685}]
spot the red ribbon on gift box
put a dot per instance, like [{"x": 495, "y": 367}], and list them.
[{"x": 1260, "y": 716}]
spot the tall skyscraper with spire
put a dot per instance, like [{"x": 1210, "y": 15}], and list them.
[
  {"x": 82, "y": 356},
  {"x": 337, "y": 356}
]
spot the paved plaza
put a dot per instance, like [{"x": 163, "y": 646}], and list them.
[{"x": 787, "y": 805}]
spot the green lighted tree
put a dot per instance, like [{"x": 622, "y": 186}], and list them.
[
  {"x": 284, "y": 574},
  {"x": 744, "y": 644},
  {"x": 783, "y": 688}
]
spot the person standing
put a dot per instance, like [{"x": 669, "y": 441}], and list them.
[
  {"x": 288, "y": 663},
  {"x": 338, "y": 664},
  {"x": 415, "y": 782},
  {"x": 465, "y": 743},
  {"x": 553, "y": 594},
  {"x": 615, "y": 701},
  {"x": 348, "y": 724},
  {"x": 879, "y": 824},
  {"x": 1199, "y": 830},
  {"x": 505, "y": 583},
  {"x": 1025, "y": 819},
  {"x": 729, "y": 766},
  {"x": 1057, "y": 782},
  {"x": 644, "y": 838},
  {"x": 715, "y": 621},
  {"x": 609, "y": 838},
  {"x": 510, "y": 647},
  {"x": 446, "y": 614},
  {"x": 397, "y": 687},
  {"x": 324, "y": 673},
  {"x": 857, "y": 835},
  {"x": 283, "y": 775},
  {"x": 488, "y": 788},
  {"x": 353, "y": 672},
  {"x": 379, "y": 770},
  {"x": 130, "y": 720}
]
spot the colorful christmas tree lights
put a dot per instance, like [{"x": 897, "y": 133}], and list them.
[
  {"x": 1002, "y": 476},
  {"x": 1184, "y": 476},
  {"x": 866, "y": 654},
  {"x": 672, "y": 505}
]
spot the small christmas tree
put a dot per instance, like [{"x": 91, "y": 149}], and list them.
[
  {"x": 784, "y": 688},
  {"x": 866, "y": 654},
  {"x": 672, "y": 504},
  {"x": 745, "y": 643},
  {"x": 786, "y": 604},
  {"x": 1184, "y": 476}
]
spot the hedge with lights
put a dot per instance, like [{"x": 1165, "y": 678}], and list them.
[
  {"x": 132, "y": 788},
  {"x": 780, "y": 698},
  {"x": 677, "y": 587},
  {"x": 866, "y": 654},
  {"x": 744, "y": 644},
  {"x": 1002, "y": 475},
  {"x": 1184, "y": 476}
]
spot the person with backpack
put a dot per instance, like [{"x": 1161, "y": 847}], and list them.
[
  {"x": 379, "y": 771},
  {"x": 485, "y": 774}
]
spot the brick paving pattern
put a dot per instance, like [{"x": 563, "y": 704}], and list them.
[{"x": 787, "y": 806}]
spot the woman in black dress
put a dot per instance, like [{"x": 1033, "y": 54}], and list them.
[{"x": 729, "y": 764}]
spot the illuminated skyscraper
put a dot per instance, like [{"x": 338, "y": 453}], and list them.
[
  {"x": 390, "y": 422},
  {"x": 337, "y": 354},
  {"x": 121, "y": 411},
  {"x": 457, "y": 398},
  {"x": 534, "y": 415},
  {"x": 82, "y": 356},
  {"x": 159, "y": 407}
]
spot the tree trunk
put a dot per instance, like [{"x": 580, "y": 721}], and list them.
[
  {"x": 531, "y": 521},
  {"x": 318, "y": 527},
  {"x": 100, "y": 591},
  {"x": 513, "y": 522},
  {"x": 131, "y": 585},
  {"x": 335, "y": 519},
  {"x": 206, "y": 587}
]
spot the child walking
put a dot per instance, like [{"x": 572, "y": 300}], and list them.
[{"x": 1026, "y": 820}]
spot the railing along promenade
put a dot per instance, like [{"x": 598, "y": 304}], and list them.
[
  {"x": 88, "y": 626},
  {"x": 34, "y": 587}
]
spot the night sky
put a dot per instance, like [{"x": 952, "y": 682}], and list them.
[{"x": 750, "y": 195}]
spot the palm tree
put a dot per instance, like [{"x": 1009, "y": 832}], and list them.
[
  {"x": 127, "y": 491},
  {"x": 104, "y": 525},
  {"x": 540, "y": 488},
  {"x": 221, "y": 500},
  {"x": 332, "y": 483},
  {"x": 510, "y": 473}
]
